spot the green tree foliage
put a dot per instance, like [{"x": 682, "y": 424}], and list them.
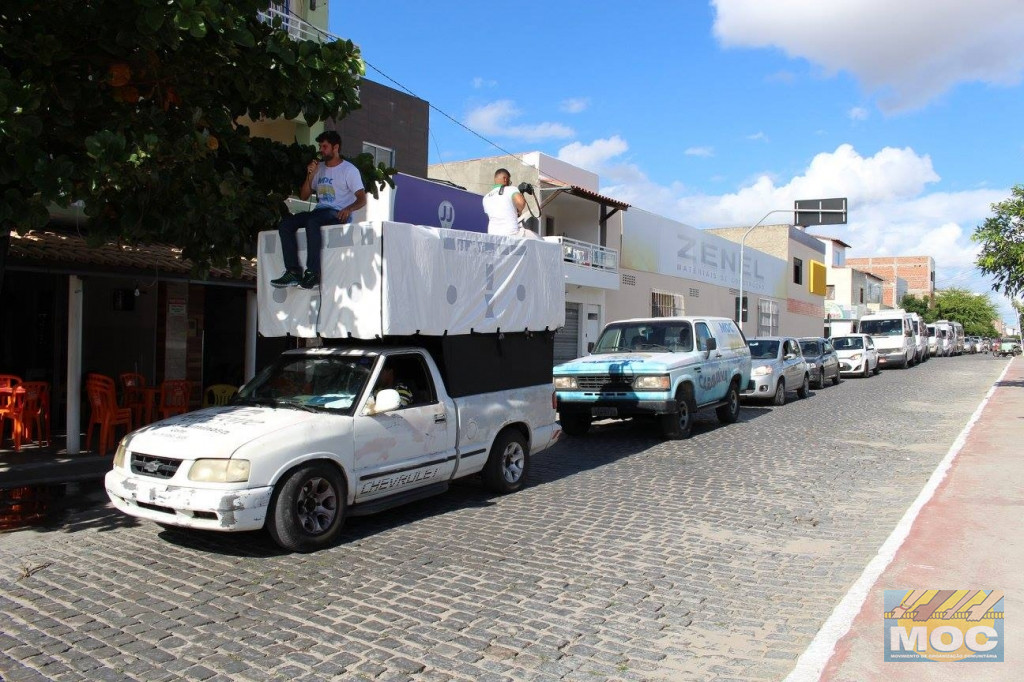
[
  {"x": 133, "y": 107},
  {"x": 975, "y": 312},
  {"x": 1002, "y": 244},
  {"x": 913, "y": 304}
]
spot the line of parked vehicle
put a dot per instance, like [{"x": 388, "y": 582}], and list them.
[{"x": 669, "y": 368}]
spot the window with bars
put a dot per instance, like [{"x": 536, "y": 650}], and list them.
[
  {"x": 666, "y": 304},
  {"x": 380, "y": 154},
  {"x": 767, "y": 317}
]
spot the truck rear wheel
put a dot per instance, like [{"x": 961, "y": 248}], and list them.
[
  {"x": 308, "y": 508},
  {"x": 575, "y": 424},
  {"x": 730, "y": 412},
  {"x": 507, "y": 465},
  {"x": 679, "y": 425}
]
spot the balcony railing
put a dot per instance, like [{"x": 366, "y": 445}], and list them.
[
  {"x": 298, "y": 29},
  {"x": 587, "y": 255}
]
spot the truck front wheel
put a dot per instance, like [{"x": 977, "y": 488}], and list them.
[
  {"x": 308, "y": 508},
  {"x": 575, "y": 424},
  {"x": 505, "y": 471},
  {"x": 679, "y": 425},
  {"x": 730, "y": 412}
]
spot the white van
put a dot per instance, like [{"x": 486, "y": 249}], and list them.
[
  {"x": 944, "y": 338},
  {"x": 893, "y": 334},
  {"x": 958, "y": 338},
  {"x": 920, "y": 337},
  {"x": 933, "y": 340}
]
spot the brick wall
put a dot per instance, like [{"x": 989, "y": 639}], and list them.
[{"x": 918, "y": 272}]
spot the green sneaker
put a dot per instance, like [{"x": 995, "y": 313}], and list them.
[
  {"x": 309, "y": 280},
  {"x": 288, "y": 279}
]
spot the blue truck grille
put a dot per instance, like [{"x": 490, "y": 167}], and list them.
[
  {"x": 158, "y": 467},
  {"x": 605, "y": 382}
]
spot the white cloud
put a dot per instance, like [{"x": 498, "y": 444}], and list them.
[
  {"x": 496, "y": 120},
  {"x": 759, "y": 135},
  {"x": 858, "y": 114},
  {"x": 574, "y": 105},
  {"x": 700, "y": 151},
  {"x": 594, "y": 156},
  {"x": 906, "y": 52},
  {"x": 891, "y": 210},
  {"x": 479, "y": 83}
]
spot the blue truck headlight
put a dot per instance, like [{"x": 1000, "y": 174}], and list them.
[{"x": 565, "y": 383}]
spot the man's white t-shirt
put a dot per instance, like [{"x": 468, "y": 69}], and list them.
[
  {"x": 501, "y": 212},
  {"x": 336, "y": 186}
]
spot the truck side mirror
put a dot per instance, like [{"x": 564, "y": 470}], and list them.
[
  {"x": 386, "y": 400},
  {"x": 710, "y": 344}
]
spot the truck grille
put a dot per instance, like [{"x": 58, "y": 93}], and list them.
[
  {"x": 605, "y": 382},
  {"x": 158, "y": 467}
]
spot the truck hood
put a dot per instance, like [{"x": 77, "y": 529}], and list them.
[
  {"x": 627, "y": 363},
  {"x": 215, "y": 431}
]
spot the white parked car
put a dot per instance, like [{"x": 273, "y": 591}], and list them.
[{"x": 857, "y": 354}]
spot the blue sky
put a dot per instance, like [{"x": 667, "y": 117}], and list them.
[{"x": 714, "y": 113}]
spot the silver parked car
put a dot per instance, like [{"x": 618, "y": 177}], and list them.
[
  {"x": 776, "y": 366},
  {"x": 822, "y": 361},
  {"x": 857, "y": 354}
]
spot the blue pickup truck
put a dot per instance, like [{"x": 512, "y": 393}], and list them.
[{"x": 665, "y": 367}]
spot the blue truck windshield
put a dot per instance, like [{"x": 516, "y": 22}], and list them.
[{"x": 658, "y": 337}]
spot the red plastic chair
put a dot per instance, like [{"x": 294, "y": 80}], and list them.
[
  {"x": 104, "y": 411},
  {"x": 13, "y": 411},
  {"x": 36, "y": 417},
  {"x": 132, "y": 395},
  {"x": 174, "y": 397}
]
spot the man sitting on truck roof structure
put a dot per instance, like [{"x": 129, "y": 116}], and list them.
[{"x": 339, "y": 192}]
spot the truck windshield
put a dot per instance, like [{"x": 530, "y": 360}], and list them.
[
  {"x": 668, "y": 336},
  {"x": 760, "y": 349},
  {"x": 847, "y": 343},
  {"x": 892, "y": 327},
  {"x": 310, "y": 382}
]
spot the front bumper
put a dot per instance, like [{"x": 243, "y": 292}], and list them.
[
  {"x": 851, "y": 366},
  {"x": 176, "y": 505},
  {"x": 760, "y": 387},
  {"x": 602, "y": 408}
]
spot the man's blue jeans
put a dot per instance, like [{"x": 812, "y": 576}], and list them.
[{"x": 312, "y": 221}]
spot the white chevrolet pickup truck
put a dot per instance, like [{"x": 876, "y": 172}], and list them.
[{"x": 326, "y": 432}]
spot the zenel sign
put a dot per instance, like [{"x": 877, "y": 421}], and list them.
[{"x": 943, "y": 626}]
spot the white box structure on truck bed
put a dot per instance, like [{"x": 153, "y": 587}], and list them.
[{"x": 393, "y": 279}]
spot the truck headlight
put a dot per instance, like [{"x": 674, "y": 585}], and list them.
[
  {"x": 812, "y": 365},
  {"x": 219, "y": 471},
  {"x": 121, "y": 452},
  {"x": 652, "y": 383},
  {"x": 565, "y": 383},
  {"x": 761, "y": 371}
]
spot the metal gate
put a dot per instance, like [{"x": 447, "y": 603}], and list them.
[{"x": 567, "y": 339}]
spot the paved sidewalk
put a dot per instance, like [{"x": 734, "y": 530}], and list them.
[{"x": 967, "y": 536}]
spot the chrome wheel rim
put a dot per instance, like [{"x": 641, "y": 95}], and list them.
[{"x": 317, "y": 505}]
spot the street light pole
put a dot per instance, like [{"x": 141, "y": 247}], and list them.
[
  {"x": 739, "y": 311},
  {"x": 820, "y": 211}
]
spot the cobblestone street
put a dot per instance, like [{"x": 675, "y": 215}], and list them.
[{"x": 627, "y": 557}]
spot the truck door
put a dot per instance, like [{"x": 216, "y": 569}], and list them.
[
  {"x": 409, "y": 447},
  {"x": 713, "y": 380}
]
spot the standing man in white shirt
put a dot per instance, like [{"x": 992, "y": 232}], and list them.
[
  {"x": 339, "y": 192},
  {"x": 503, "y": 204}
]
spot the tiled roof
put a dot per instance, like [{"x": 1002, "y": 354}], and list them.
[
  {"x": 69, "y": 251},
  {"x": 587, "y": 194}
]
